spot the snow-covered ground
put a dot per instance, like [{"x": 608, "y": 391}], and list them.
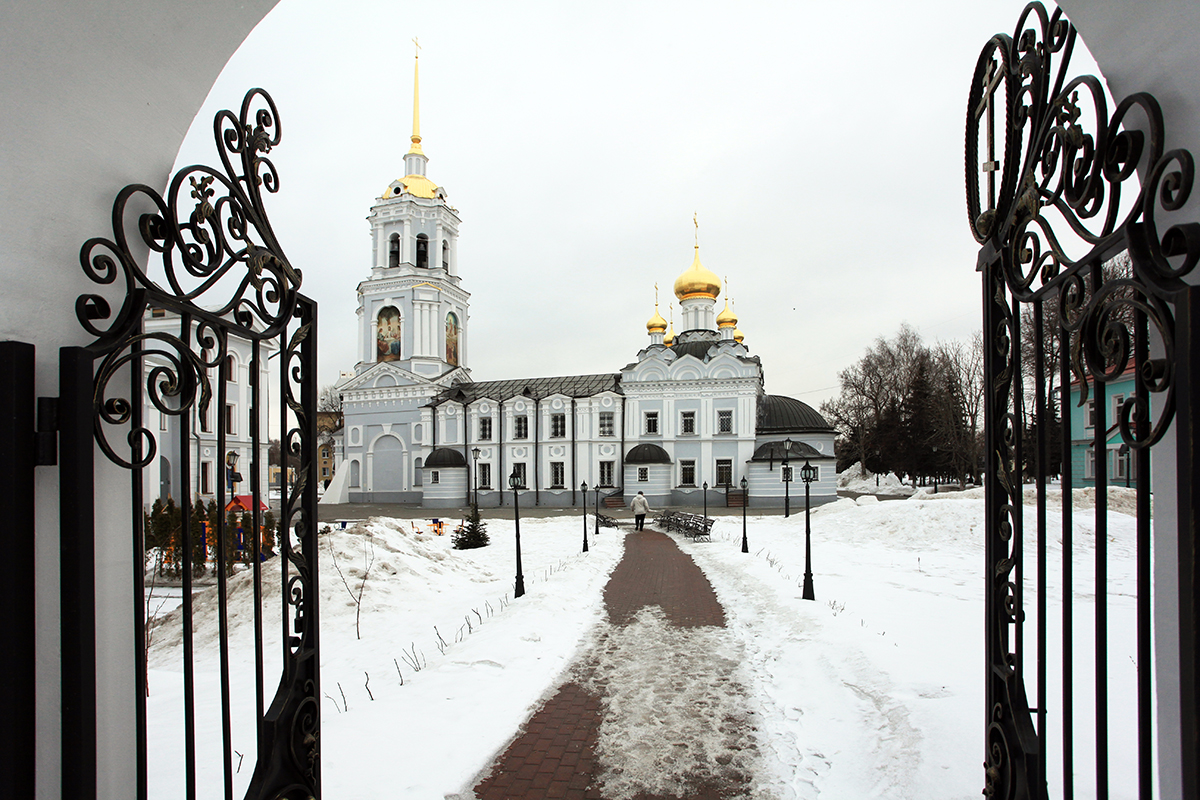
[
  {"x": 859, "y": 480},
  {"x": 874, "y": 690}
]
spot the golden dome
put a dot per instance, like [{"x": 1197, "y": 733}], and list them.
[
  {"x": 697, "y": 281},
  {"x": 727, "y": 319},
  {"x": 738, "y": 335},
  {"x": 669, "y": 339},
  {"x": 656, "y": 324},
  {"x": 416, "y": 185}
]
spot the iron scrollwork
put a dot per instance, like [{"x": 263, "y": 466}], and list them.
[
  {"x": 1056, "y": 187},
  {"x": 214, "y": 261}
]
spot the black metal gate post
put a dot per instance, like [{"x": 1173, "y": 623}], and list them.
[
  {"x": 77, "y": 556},
  {"x": 18, "y": 734},
  {"x": 1078, "y": 283}
]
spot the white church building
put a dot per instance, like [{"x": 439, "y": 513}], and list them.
[{"x": 689, "y": 412}]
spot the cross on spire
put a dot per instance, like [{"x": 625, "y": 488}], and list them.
[
  {"x": 697, "y": 224},
  {"x": 418, "y": 46},
  {"x": 991, "y": 80}
]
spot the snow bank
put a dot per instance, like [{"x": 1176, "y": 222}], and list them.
[
  {"x": 1120, "y": 499},
  {"x": 860, "y": 480}
]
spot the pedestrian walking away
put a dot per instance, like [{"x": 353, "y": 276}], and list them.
[{"x": 640, "y": 507}]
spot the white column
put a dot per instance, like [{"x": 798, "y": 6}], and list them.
[{"x": 406, "y": 248}]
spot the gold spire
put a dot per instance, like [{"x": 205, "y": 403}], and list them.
[
  {"x": 669, "y": 339},
  {"x": 656, "y": 324},
  {"x": 416, "y": 134}
]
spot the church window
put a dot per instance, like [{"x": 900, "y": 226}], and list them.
[
  {"x": 230, "y": 369},
  {"x": 230, "y": 418},
  {"x": 394, "y": 250},
  {"x": 417, "y": 471},
  {"x": 725, "y": 421},
  {"x": 434, "y": 477},
  {"x": 521, "y": 427},
  {"x": 643, "y": 474},
  {"x": 606, "y": 423},
  {"x": 446, "y": 255},
  {"x": 205, "y": 477},
  {"x": 606, "y": 473},
  {"x": 519, "y": 471},
  {"x": 485, "y": 476},
  {"x": 652, "y": 423},
  {"x": 558, "y": 474},
  {"x": 687, "y": 423},
  {"x": 422, "y": 251},
  {"x": 485, "y": 429},
  {"x": 558, "y": 425},
  {"x": 724, "y": 472},
  {"x": 687, "y": 473}
]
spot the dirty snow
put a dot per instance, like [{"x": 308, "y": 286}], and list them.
[
  {"x": 860, "y": 480},
  {"x": 874, "y": 690}
]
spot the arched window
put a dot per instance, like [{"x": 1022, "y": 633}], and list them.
[
  {"x": 417, "y": 465},
  {"x": 446, "y": 256},
  {"x": 452, "y": 339},
  {"x": 230, "y": 369},
  {"x": 422, "y": 251},
  {"x": 354, "y": 481},
  {"x": 387, "y": 334},
  {"x": 394, "y": 250}
]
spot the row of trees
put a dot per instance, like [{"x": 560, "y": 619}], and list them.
[
  {"x": 164, "y": 536},
  {"x": 912, "y": 409}
]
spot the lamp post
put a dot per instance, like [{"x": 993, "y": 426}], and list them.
[
  {"x": 705, "y": 485},
  {"x": 475, "y": 452},
  {"x": 597, "y": 509},
  {"x": 583, "y": 488},
  {"x": 745, "y": 502},
  {"x": 787, "y": 479},
  {"x": 808, "y": 474},
  {"x": 231, "y": 474},
  {"x": 515, "y": 483}
]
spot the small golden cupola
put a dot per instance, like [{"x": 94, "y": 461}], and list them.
[
  {"x": 727, "y": 319},
  {"x": 737, "y": 332},
  {"x": 656, "y": 324},
  {"x": 669, "y": 339},
  {"x": 697, "y": 281}
]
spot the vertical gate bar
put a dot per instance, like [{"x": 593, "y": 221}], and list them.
[
  {"x": 256, "y": 535},
  {"x": 223, "y": 546},
  {"x": 1141, "y": 467},
  {"x": 1017, "y": 406},
  {"x": 1100, "y": 475},
  {"x": 1039, "y": 412},
  {"x": 1068, "y": 622},
  {"x": 285, "y": 520},
  {"x": 189, "y": 653},
  {"x": 1187, "y": 333},
  {"x": 185, "y": 479},
  {"x": 77, "y": 520},
  {"x": 18, "y": 734},
  {"x": 138, "y": 518},
  {"x": 308, "y": 351}
]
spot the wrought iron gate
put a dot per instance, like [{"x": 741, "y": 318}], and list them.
[
  {"x": 1085, "y": 292},
  {"x": 217, "y": 286}
]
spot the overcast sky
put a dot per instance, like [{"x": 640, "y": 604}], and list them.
[{"x": 820, "y": 145}]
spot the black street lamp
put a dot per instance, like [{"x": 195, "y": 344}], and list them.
[
  {"x": 475, "y": 452},
  {"x": 808, "y": 473},
  {"x": 706, "y": 499},
  {"x": 745, "y": 502},
  {"x": 597, "y": 509},
  {"x": 583, "y": 488},
  {"x": 515, "y": 483},
  {"x": 232, "y": 476},
  {"x": 787, "y": 479}
]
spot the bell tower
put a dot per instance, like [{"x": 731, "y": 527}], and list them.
[{"x": 412, "y": 309}]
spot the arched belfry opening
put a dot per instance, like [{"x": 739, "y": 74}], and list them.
[
  {"x": 422, "y": 251},
  {"x": 394, "y": 250}
]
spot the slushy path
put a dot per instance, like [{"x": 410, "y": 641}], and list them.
[{"x": 560, "y": 754}]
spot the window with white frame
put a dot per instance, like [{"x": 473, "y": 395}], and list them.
[
  {"x": 485, "y": 429},
  {"x": 1119, "y": 463},
  {"x": 724, "y": 471},
  {"x": 324, "y": 472},
  {"x": 519, "y": 471},
  {"x": 435, "y": 477},
  {"x": 652, "y": 423},
  {"x": 687, "y": 423},
  {"x": 725, "y": 421},
  {"x": 230, "y": 418},
  {"x": 643, "y": 474},
  {"x": 205, "y": 477},
  {"x": 1117, "y": 401},
  {"x": 558, "y": 426},
  {"x": 687, "y": 473},
  {"x": 558, "y": 474},
  {"x": 521, "y": 427},
  {"x": 606, "y": 423},
  {"x": 485, "y": 476},
  {"x": 606, "y": 473},
  {"x": 1089, "y": 463},
  {"x": 1090, "y": 412}
]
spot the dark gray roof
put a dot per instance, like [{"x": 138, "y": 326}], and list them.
[
  {"x": 647, "y": 454},
  {"x": 773, "y": 451},
  {"x": 445, "y": 457},
  {"x": 569, "y": 385},
  {"x": 697, "y": 349},
  {"x": 779, "y": 414}
]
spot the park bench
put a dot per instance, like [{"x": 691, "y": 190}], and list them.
[
  {"x": 607, "y": 522},
  {"x": 693, "y": 526}
]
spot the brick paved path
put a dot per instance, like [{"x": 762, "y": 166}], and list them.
[{"x": 555, "y": 755}]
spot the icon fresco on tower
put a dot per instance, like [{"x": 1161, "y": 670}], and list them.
[{"x": 387, "y": 339}]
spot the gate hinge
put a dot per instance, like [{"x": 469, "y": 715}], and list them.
[{"x": 45, "y": 437}]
